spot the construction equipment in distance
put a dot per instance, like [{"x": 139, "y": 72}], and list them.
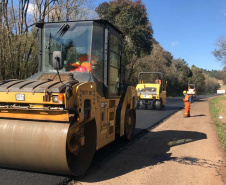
[
  {"x": 191, "y": 90},
  {"x": 55, "y": 120},
  {"x": 151, "y": 93}
]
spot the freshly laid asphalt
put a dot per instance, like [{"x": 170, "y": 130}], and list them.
[{"x": 145, "y": 120}]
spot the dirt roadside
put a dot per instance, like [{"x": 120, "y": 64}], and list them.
[{"x": 178, "y": 151}]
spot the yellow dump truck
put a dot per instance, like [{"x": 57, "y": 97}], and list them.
[
  {"x": 55, "y": 120},
  {"x": 151, "y": 90}
]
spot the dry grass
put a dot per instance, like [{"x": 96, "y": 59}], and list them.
[{"x": 218, "y": 108}]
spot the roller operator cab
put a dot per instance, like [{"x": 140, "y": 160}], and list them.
[
  {"x": 55, "y": 120},
  {"x": 151, "y": 90}
]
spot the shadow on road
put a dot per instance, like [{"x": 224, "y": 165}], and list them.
[
  {"x": 150, "y": 150},
  {"x": 198, "y": 115},
  {"x": 199, "y": 100}
]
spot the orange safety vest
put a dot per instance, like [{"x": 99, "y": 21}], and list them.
[
  {"x": 186, "y": 106},
  {"x": 186, "y": 98},
  {"x": 158, "y": 81}
]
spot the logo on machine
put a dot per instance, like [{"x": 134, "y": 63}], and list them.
[
  {"x": 20, "y": 97},
  {"x": 103, "y": 104}
]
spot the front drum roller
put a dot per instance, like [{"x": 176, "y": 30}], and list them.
[{"x": 42, "y": 146}]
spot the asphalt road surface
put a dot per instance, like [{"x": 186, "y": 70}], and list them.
[{"x": 145, "y": 119}]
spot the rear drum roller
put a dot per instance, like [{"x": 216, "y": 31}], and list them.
[{"x": 130, "y": 124}]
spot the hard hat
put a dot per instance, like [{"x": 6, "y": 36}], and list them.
[{"x": 184, "y": 92}]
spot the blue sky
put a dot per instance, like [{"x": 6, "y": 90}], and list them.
[{"x": 188, "y": 29}]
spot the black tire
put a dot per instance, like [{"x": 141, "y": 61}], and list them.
[
  {"x": 158, "y": 105},
  {"x": 130, "y": 124},
  {"x": 138, "y": 105},
  {"x": 152, "y": 106},
  {"x": 79, "y": 164},
  {"x": 141, "y": 105}
]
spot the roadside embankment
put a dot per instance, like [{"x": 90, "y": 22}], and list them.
[{"x": 218, "y": 111}]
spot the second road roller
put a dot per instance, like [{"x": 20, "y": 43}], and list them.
[
  {"x": 55, "y": 120},
  {"x": 151, "y": 93}
]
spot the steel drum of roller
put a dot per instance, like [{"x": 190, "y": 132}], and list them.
[
  {"x": 33, "y": 145},
  {"x": 42, "y": 146}
]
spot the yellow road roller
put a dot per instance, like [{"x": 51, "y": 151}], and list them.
[
  {"x": 55, "y": 120},
  {"x": 151, "y": 90}
]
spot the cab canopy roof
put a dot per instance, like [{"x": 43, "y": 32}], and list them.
[{"x": 40, "y": 25}]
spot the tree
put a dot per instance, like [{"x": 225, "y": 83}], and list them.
[
  {"x": 19, "y": 37},
  {"x": 130, "y": 16},
  {"x": 178, "y": 75},
  {"x": 159, "y": 60},
  {"x": 211, "y": 84},
  {"x": 222, "y": 75},
  {"x": 220, "y": 53},
  {"x": 62, "y": 10},
  {"x": 198, "y": 79}
]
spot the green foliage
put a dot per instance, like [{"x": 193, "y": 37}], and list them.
[
  {"x": 177, "y": 76},
  {"x": 131, "y": 18},
  {"x": 159, "y": 60},
  {"x": 19, "y": 58},
  {"x": 213, "y": 73},
  {"x": 19, "y": 38},
  {"x": 222, "y": 75},
  {"x": 218, "y": 74},
  {"x": 198, "y": 78},
  {"x": 211, "y": 84}
]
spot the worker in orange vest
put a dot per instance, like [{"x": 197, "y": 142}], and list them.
[
  {"x": 186, "y": 104},
  {"x": 158, "y": 80}
]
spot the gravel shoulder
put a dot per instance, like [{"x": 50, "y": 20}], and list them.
[{"x": 178, "y": 151}]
